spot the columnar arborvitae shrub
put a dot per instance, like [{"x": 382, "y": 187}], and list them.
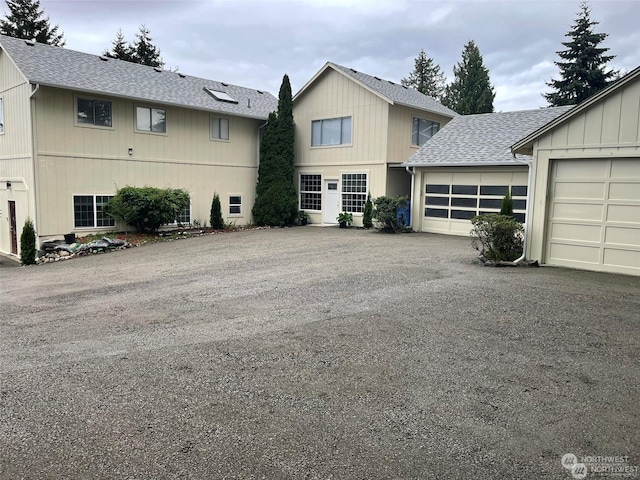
[
  {"x": 507, "y": 205},
  {"x": 367, "y": 217},
  {"x": 497, "y": 237},
  {"x": 28, "y": 244},
  {"x": 216, "y": 219},
  {"x": 147, "y": 208},
  {"x": 386, "y": 213}
]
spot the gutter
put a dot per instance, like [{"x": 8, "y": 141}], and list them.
[{"x": 34, "y": 158}]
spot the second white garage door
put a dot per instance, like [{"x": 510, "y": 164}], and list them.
[{"x": 593, "y": 221}]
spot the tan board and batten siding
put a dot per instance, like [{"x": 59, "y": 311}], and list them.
[
  {"x": 587, "y": 187},
  {"x": 16, "y": 165},
  {"x": 85, "y": 160}
]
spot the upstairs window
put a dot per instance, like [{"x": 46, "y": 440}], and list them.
[
  {"x": 219, "y": 128},
  {"x": 423, "y": 130},
  {"x": 93, "y": 112},
  {"x": 332, "y": 131},
  {"x": 151, "y": 120}
]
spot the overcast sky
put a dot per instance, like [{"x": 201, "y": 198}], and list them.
[{"x": 253, "y": 43}]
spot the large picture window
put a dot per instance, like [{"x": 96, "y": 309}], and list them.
[
  {"x": 219, "y": 128},
  {"x": 151, "y": 120},
  {"x": 423, "y": 130},
  {"x": 311, "y": 192},
  {"x": 332, "y": 131},
  {"x": 88, "y": 211},
  {"x": 93, "y": 112},
  {"x": 354, "y": 192}
]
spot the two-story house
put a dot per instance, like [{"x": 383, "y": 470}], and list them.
[
  {"x": 76, "y": 127},
  {"x": 353, "y": 132}
]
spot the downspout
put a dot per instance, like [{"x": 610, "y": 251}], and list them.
[
  {"x": 526, "y": 211},
  {"x": 413, "y": 179},
  {"x": 34, "y": 161}
]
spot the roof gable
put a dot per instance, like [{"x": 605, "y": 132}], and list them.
[
  {"x": 59, "y": 67},
  {"x": 524, "y": 144},
  {"x": 389, "y": 91},
  {"x": 483, "y": 139}
]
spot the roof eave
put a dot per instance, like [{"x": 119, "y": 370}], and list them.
[
  {"x": 453, "y": 115},
  {"x": 514, "y": 163}
]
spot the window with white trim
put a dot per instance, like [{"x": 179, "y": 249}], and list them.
[
  {"x": 93, "y": 112},
  {"x": 311, "y": 192},
  {"x": 184, "y": 217},
  {"x": 151, "y": 119},
  {"x": 423, "y": 130},
  {"x": 219, "y": 128},
  {"x": 88, "y": 211},
  {"x": 1, "y": 116},
  {"x": 235, "y": 205},
  {"x": 331, "y": 131},
  {"x": 354, "y": 192}
]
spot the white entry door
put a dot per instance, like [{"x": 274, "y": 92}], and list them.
[{"x": 331, "y": 201}]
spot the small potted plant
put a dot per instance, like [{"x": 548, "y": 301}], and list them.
[
  {"x": 345, "y": 219},
  {"x": 302, "y": 218}
]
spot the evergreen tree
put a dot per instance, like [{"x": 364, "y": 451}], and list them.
[
  {"x": 28, "y": 244},
  {"x": 276, "y": 198},
  {"x": 367, "y": 217},
  {"x": 215, "y": 216},
  {"x": 120, "y": 49},
  {"x": 471, "y": 90},
  {"x": 26, "y": 20},
  {"x": 427, "y": 77},
  {"x": 582, "y": 65}
]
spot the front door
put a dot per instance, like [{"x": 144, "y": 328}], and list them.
[
  {"x": 13, "y": 227},
  {"x": 331, "y": 201}
]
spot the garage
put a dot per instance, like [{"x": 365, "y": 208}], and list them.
[{"x": 594, "y": 215}]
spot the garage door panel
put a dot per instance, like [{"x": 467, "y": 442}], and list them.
[
  {"x": 581, "y": 170},
  {"x": 578, "y": 211},
  {"x": 571, "y": 231},
  {"x": 624, "y": 191},
  {"x": 625, "y": 169},
  {"x": 624, "y": 213},
  {"x": 580, "y": 191},
  {"x": 574, "y": 253},
  {"x": 622, "y": 236},
  {"x": 622, "y": 258}
]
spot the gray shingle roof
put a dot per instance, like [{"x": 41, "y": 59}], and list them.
[
  {"x": 397, "y": 93},
  {"x": 483, "y": 139},
  {"x": 69, "y": 69}
]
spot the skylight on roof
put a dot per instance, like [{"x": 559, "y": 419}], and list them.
[{"x": 220, "y": 96}]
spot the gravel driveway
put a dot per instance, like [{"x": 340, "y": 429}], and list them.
[{"x": 313, "y": 353}]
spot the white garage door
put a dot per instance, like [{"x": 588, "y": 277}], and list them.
[
  {"x": 593, "y": 220},
  {"x": 450, "y": 198}
]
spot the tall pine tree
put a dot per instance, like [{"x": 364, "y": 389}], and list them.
[
  {"x": 26, "y": 20},
  {"x": 426, "y": 77},
  {"x": 142, "y": 51},
  {"x": 471, "y": 90},
  {"x": 120, "y": 49},
  {"x": 583, "y": 64},
  {"x": 276, "y": 198}
]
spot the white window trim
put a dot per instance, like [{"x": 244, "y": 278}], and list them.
[
  {"x": 241, "y": 204},
  {"x": 91, "y": 125},
  {"x": 368, "y": 174},
  {"x": 175, "y": 223},
  {"x": 2, "y": 122},
  {"x": 319, "y": 191},
  {"x": 337, "y": 145},
  {"x": 212, "y": 118},
  {"x": 148, "y": 132},
  {"x": 95, "y": 212}
]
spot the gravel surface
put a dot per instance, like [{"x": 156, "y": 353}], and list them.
[{"x": 313, "y": 353}]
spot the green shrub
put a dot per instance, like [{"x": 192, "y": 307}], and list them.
[
  {"x": 507, "y": 205},
  {"x": 497, "y": 237},
  {"x": 276, "y": 204},
  {"x": 386, "y": 213},
  {"x": 147, "y": 208},
  {"x": 28, "y": 244},
  {"x": 216, "y": 219},
  {"x": 367, "y": 217}
]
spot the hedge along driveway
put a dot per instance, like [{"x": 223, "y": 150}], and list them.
[{"x": 313, "y": 352}]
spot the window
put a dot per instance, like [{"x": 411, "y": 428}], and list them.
[
  {"x": 151, "y": 120},
  {"x": 94, "y": 112},
  {"x": 235, "y": 205},
  {"x": 219, "y": 128},
  {"x": 88, "y": 211},
  {"x": 354, "y": 192},
  {"x": 310, "y": 192},
  {"x": 423, "y": 130},
  {"x": 1, "y": 117},
  {"x": 184, "y": 217},
  {"x": 333, "y": 131}
]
